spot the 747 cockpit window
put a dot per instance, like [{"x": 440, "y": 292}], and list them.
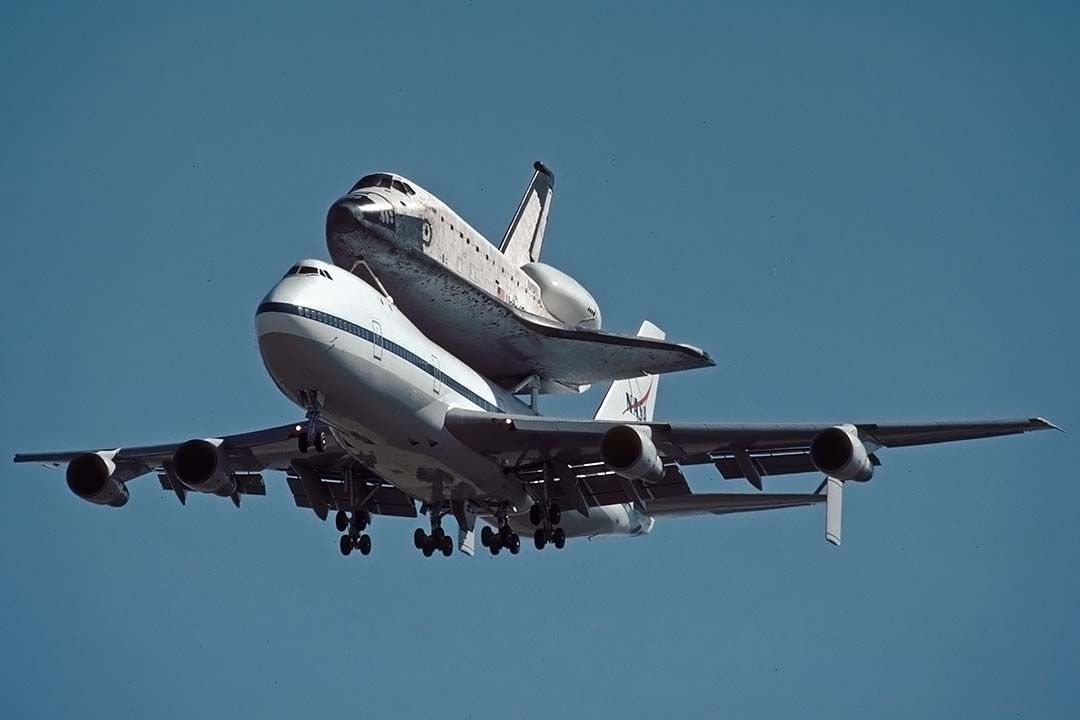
[{"x": 308, "y": 270}]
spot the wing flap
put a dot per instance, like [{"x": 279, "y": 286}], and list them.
[
  {"x": 246, "y": 483},
  {"x": 773, "y": 463},
  {"x": 378, "y": 498},
  {"x": 600, "y": 486}
]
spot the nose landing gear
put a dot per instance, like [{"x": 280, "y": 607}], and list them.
[{"x": 310, "y": 435}]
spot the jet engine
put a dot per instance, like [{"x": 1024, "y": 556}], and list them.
[
  {"x": 564, "y": 297},
  {"x": 838, "y": 452},
  {"x": 92, "y": 477},
  {"x": 203, "y": 466},
  {"x": 629, "y": 451}
]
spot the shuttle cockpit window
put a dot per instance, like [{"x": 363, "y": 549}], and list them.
[
  {"x": 403, "y": 187},
  {"x": 376, "y": 180}
]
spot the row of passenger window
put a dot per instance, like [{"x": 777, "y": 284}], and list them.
[{"x": 402, "y": 352}]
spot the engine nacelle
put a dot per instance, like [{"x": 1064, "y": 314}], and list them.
[
  {"x": 92, "y": 476},
  {"x": 564, "y": 297},
  {"x": 838, "y": 452},
  {"x": 629, "y": 451},
  {"x": 203, "y": 466}
]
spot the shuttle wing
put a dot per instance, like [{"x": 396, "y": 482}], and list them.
[
  {"x": 507, "y": 344},
  {"x": 530, "y": 345}
]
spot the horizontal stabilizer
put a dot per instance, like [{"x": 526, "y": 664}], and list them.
[{"x": 725, "y": 503}]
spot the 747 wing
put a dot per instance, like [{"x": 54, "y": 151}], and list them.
[{"x": 231, "y": 466}]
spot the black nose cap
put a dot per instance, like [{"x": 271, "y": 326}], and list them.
[{"x": 343, "y": 218}]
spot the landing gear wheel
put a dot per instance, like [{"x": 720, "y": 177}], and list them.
[
  {"x": 345, "y": 544},
  {"x": 494, "y": 547},
  {"x": 429, "y": 547},
  {"x": 364, "y": 544},
  {"x": 486, "y": 535},
  {"x": 438, "y": 534},
  {"x": 554, "y": 513},
  {"x": 341, "y": 520},
  {"x": 539, "y": 538},
  {"x": 302, "y": 442},
  {"x": 419, "y": 537},
  {"x": 515, "y": 544},
  {"x": 505, "y": 533},
  {"x": 536, "y": 514},
  {"x": 320, "y": 441},
  {"x": 447, "y": 546},
  {"x": 361, "y": 521},
  {"x": 559, "y": 538}
]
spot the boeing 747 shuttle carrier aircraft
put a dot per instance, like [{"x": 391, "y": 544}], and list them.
[{"x": 419, "y": 357}]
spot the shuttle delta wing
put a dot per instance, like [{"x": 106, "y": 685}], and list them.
[
  {"x": 582, "y": 357},
  {"x": 508, "y": 345},
  {"x": 321, "y": 481}
]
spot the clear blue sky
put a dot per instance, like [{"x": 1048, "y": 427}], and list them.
[{"x": 862, "y": 211}]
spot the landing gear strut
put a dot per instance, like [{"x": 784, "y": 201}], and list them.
[
  {"x": 354, "y": 519},
  {"x": 310, "y": 435}
]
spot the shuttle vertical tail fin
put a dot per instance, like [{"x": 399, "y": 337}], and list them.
[
  {"x": 525, "y": 236},
  {"x": 632, "y": 400}
]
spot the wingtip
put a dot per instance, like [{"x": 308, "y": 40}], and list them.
[{"x": 1039, "y": 423}]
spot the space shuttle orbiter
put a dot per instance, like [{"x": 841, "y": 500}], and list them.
[{"x": 524, "y": 324}]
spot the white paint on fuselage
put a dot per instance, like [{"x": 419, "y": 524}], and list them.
[
  {"x": 388, "y": 411},
  {"x": 452, "y": 242}
]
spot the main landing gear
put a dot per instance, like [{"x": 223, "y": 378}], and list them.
[
  {"x": 437, "y": 541},
  {"x": 310, "y": 435},
  {"x": 505, "y": 537},
  {"x": 547, "y": 519},
  {"x": 353, "y": 527}
]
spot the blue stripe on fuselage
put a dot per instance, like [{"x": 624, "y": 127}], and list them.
[{"x": 389, "y": 345}]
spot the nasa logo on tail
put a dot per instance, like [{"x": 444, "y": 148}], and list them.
[{"x": 636, "y": 406}]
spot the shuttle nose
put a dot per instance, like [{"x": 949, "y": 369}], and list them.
[{"x": 344, "y": 217}]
